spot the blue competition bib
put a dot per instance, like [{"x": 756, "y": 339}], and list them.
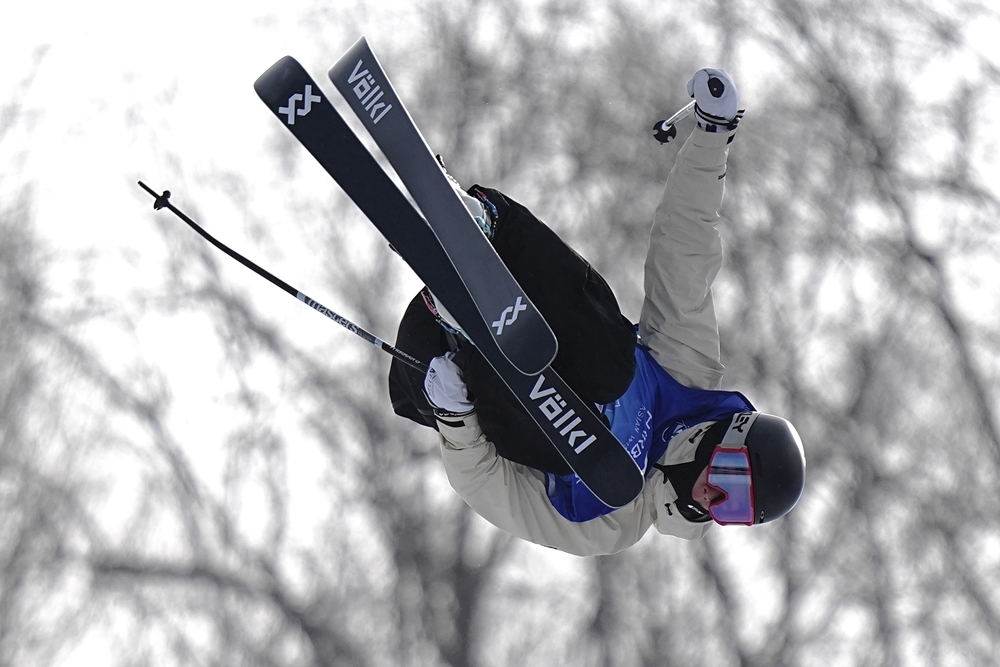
[{"x": 654, "y": 409}]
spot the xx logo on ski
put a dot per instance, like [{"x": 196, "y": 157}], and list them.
[
  {"x": 308, "y": 97},
  {"x": 553, "y": 409},
  {"x": 513, "y": 312},
  {"x": 369, "y": 93}
]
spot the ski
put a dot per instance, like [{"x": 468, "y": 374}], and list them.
[
  {"x": 579, "y": 436},
  {"x": 515, "y": 324}
]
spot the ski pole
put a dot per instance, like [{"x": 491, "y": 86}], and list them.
[
  {"x": 161, "y": 201},
  {"x": 664, "y": 131}
]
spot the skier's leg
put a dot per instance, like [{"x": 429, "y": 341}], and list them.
[{"x": 596, "y": 343}]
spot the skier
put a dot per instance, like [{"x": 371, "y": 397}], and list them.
[{"x": 708, "y": 456}]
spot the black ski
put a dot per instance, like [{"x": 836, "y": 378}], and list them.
[
  {"x": 588, "y": 447},
  {"x": 519, "y": 329}
]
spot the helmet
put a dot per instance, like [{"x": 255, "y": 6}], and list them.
[
  {"x": 756, "y": 462},
  {"x": 777, "y": 466}
]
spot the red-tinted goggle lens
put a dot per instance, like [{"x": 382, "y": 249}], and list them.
[{"x": 729, "y": 472}]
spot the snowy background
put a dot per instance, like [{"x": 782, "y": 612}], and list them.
[{"x": 196, "y": 470}]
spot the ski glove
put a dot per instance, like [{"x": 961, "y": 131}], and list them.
[
  {"x": 716, "y": 100},
  {"x": 446, "y": 389}
]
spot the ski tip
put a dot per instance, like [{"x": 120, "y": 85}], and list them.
[
  {"x": 279, "y": 69},
  {"x": 360, "y": 46}
]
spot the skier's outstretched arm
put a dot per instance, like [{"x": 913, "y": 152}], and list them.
[
  {"x": 678, "y": 321},
  {"x": 511, "y": 496}
]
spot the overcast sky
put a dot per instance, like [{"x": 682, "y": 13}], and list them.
[{"x": 164, "y": 92}]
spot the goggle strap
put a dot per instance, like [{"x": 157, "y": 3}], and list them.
[{"x": 739, "y": 427}]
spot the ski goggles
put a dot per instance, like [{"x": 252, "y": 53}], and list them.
[{"x": 729, "y": 473}]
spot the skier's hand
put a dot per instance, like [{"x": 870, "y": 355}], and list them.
[
  {"x": 445, "y": 387},
  {"x": 716, "y": 99}
]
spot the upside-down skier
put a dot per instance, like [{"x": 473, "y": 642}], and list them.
[{"x": 708, "y": 455}]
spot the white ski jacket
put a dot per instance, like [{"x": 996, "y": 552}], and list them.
[{"x": 678, "y": 325}]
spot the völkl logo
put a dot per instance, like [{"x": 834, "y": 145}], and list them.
[
  {"x": 509, "y": 315},
  {"x": 369, "y": 93},
  {"x": 554, "y": 409},
  {"x": 307, "y": 97}
]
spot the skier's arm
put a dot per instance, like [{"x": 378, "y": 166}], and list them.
[
  {"x": 513, "y": 497},
  {"x": 678, "y": 319}
]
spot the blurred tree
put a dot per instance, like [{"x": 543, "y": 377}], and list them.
[
  {"x": 856, "y": 300},
  {"x": 858, "y": 230},
  {"x": 40, "y": 576}
]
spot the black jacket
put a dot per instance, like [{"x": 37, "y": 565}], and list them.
[{"x": 596, "y": 342}]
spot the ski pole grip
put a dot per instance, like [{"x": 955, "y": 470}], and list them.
[{"x": 665, "y": 131}]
